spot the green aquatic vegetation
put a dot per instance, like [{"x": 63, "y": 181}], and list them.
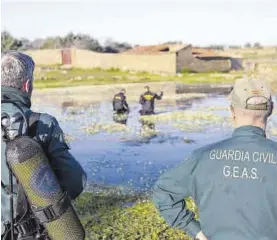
[
  {"x": 109, "y": 127},
  {"x": 188, "y": 121},
  {"x": 106, "y": 216},
  {"x": 148, "y": 130},
  {"x": 120, "y": 117},
  {"x": 179, "y": 116}
]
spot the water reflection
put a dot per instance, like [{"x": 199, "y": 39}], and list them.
[
  {"x": 121, "y": 117},
  {"x": 147, "y": 130}
]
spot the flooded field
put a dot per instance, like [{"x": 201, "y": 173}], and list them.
[{"x": 132, "y": 156}]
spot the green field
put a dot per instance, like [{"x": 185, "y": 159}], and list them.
[{"x": 55, "y": 77}]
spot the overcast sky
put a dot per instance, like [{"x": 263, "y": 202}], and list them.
[{"x": 200, "y": 22}]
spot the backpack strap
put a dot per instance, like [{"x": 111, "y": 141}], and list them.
[{"x": 32, "y": 123}]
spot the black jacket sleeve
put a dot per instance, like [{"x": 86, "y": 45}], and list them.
[
  {"x": 159, "y": 97},
  {"x": 69, "y": 172}
]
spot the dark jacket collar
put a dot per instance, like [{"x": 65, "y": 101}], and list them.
[
  {"x": 16, "y": 96},
  {"x": 249, "y": 130}
]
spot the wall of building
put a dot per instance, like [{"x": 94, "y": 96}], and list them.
[
  {"x": 46, "y": 56},
  {"x": 150, "y": 63},
  {"x": 184, "y": 58},
  {"x": 236, "y": 63},
  {"x": 169, "y": 63},
  {"x": 197, "y": 65}
]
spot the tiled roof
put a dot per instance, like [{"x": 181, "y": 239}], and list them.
[
  {"x": 203, "y": 52},
  {"x": 156, "y": 49}
]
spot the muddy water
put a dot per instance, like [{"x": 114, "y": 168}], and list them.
[{"x": 126, "y": 158}]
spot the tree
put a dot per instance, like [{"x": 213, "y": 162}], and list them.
[
  {"x": 247, "y": 45},
  {"x": 112, "y": 46},
  {"x": 234, "y": 47},
  {"x": 8, "y": 42},
  {"x": 82, "y": 41},
  {"x": 37, "y": 44},
  {"x": 26, "y": 44},
  {"x": 52, "y": 43},
  {"x": 257, "y": 45}
]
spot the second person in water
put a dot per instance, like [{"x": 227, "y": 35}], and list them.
[{"x": 147, "y": 101}]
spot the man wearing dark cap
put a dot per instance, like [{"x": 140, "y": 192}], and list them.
[
  {"x": 233, "y": 182},
  {"x": 147, "y": 101}
]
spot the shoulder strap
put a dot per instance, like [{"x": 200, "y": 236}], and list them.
[{"x": 33, "y": 121}]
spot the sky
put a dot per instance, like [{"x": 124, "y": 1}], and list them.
[{"x": 144, "y": 22}]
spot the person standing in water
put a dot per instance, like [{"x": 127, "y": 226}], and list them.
[
  {"x": 147, "y": 101},
  {"x": 120, "y": 107}
]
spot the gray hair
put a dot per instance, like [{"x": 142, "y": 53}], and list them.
[{"x": 16, "y": 69}]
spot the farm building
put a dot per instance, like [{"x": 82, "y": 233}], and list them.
[
  {"x": 165, "y": 58},
  {"x": 208, "y": 55},
  {"x": 192, "y": 59},
  {"x": 180, "y": 52}
]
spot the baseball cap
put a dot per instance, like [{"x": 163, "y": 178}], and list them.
[{"x": 245, "y": 89}]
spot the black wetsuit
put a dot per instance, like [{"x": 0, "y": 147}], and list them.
[
  {"x": 147, "y": 100},
  {"x": 120, "y": 104}
]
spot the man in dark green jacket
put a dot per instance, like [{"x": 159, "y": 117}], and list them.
[
  {"x": 17, "y": 85},
  {"x": 233, "y": 182}
]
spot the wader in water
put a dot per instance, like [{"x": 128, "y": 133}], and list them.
[
  {"x": 121, "y": 108},
  {"x": 147, "y": 101}
]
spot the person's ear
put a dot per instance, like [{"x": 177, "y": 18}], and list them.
[
  {"x": 26, "y": 86},
  {"x": 271, "y": 109},
  {"x": 232, "y": 112}
]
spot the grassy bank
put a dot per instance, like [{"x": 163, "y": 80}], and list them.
[
  {"x": 105, "y": 216},
  {"x": 55, "y": 77}
]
